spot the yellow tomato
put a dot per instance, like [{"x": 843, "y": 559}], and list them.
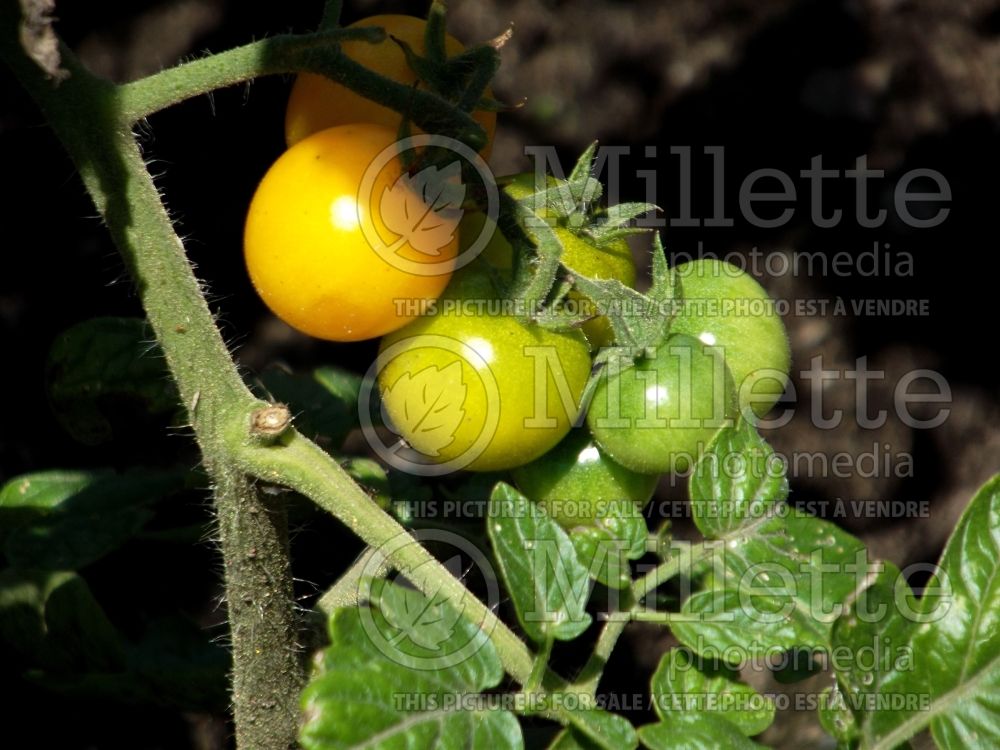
[{"x": 333, "y": 262}]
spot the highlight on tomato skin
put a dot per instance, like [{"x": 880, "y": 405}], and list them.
[
  {"x": 316, "y": 102},
  {"x": 336, "y": 264}
]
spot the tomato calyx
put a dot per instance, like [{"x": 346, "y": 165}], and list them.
[
  {"x": 541, "y": 218},
  {"x": 463, "y": 79}
]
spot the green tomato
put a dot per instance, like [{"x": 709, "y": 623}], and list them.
[
  {"x": 472, "y": 387},
  {"x": 659, "y": 415},
  {"x": 727, "y": 308},
  {"x": 577, "y": 483}
]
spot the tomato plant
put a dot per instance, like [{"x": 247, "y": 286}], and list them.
[
  {"x": 725, "y": 307},
  {"x": 576, "y": 482},
  {"x": 472, "y": 382},
  {"x": 307, "y": 249},
  {"x": 443, "y": 631},
  {"x": 659, "y": 415},
  {"x": 316, "y": 102}
]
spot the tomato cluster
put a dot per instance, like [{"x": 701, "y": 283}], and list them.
[{"x": 466, "y": 378}]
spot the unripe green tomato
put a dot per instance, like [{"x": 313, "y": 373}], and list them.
[
  {"x": 577, "y": 483},
  {"x": 474, "y": 387},
  {"x": 725, "y": 307},
  {"x": 659, "y": 415}
]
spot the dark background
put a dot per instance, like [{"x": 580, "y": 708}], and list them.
[{"x": 776, "y": 82}]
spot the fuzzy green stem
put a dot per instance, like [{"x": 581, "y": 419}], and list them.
[
  {"x": 302, "y": 465},
  {"x": 592, "y": 671},
  {"x": 314, "y": 53},
  {"x": 345, "y": 592}
]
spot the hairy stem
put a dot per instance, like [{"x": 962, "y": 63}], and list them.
[
  {"x": 313, "y": 53},
  {"x": 592, "y": 671},
  {"x": 302, "y": 465}
]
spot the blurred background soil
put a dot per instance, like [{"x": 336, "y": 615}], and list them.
[{"x": 911, "y": 84}]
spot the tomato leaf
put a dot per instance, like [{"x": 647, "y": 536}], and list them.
[
  {"x": 725, "y": 497},
  {"x": 57, "y": 520},
  {"x": 102, "y": 372},
  {"x": 692, "y": 731},
  {"x": 379, "y": 689},
  {"x": 50, "y": 621},
  {"x": 836, "y": 717},
  {"x": 592, "y": 728},
  {"x": 685, "y": 683},
  {"x": 936, "y": 660},
  {"x": 606, "y": 545},
  {"x": 433, "y": 407},
  {"x": 779, "y": 577},
  {"x": 547, "y": 583},
  {"x": 428, "y": 622}
]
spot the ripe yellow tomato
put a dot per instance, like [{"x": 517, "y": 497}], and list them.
[
  {"x": 316, "y": 102},
  {"x": 337, "y": 264}
]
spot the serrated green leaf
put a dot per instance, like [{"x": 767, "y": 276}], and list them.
[
  {"x": 380, "y": 688},
  {"x": 605, "y": 547},
  {"x": 736, "y": 481},
  {"x": 78, "y": 517},
  {"x": 539, "y": 566},
  {"x": 103, "y": 369},
  {"x": 686, "y": 683},
  {"x": 568, "y": 739},
  {"x": 836, "y": 717},
  {"x": 779, "y": 582},
  {"x": 780, "y": 577},
  {"x": 31, "y": 496},
  {"x": 602, "y": 729},
  {"x": 694, "y": 732},
  {"x": 942, "y": 664}
]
